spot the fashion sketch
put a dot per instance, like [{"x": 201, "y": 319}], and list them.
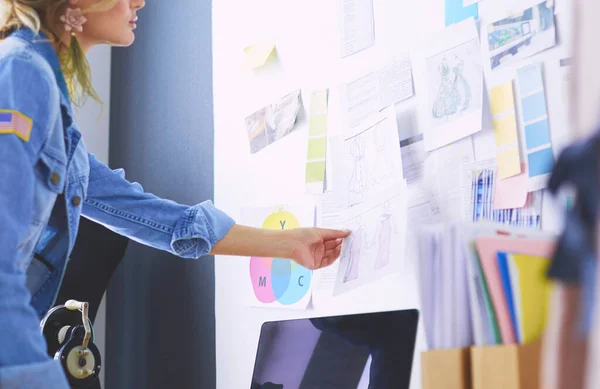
[
  {"x": 352, "y": 254},
  {"x": 361, "y": 178},
  {"x": 384, "y": 166},
  {"x": 454, "y": 92},
  {"x": 384, "y": 237}
]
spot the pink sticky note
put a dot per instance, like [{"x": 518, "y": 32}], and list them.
[
  {"x": 488, "y": 248},
  {"x": 511, "y": 192}
]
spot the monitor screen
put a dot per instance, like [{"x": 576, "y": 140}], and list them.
[{"x": 362, "y": 351}]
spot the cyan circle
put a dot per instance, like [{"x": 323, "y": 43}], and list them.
[
  {"x": 298, "y": 285},
  {"x": 281, "y": 270}
]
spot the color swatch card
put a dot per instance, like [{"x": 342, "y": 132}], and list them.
[
  {"x": 538, "y": 146},
  {"x": 317, "y": 142},
  {"x": 505, "y": 131}
]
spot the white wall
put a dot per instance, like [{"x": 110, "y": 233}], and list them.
[
  {"x": 305, "y": 33},
  {"x": 92, "y": 120}
]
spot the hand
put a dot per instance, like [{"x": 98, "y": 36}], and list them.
[{"x": 315, "y": 248}]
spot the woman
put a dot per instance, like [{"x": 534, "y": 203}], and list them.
[{"x": 48, "y": 179}]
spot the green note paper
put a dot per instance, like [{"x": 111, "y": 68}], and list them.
[{"x": 317, "y": 142}]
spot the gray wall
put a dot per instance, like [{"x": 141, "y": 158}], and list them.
[
  {"x": 92, "y": 120},
  {"x": 160, "y": 308}
]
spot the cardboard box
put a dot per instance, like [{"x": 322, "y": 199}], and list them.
[
  {"x": 446, "y": 369},
  {"x": 506, "y": 366}
]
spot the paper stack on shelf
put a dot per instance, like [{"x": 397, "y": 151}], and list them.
[{"x": 483, "y": 284}]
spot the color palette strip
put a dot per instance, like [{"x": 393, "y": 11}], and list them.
[
  {"x": 505, "y": 131},
  {"x": 540, "y": 158},
  {"x": 317, "y": 142}
]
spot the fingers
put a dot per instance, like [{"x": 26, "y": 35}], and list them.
[
  {"x": 330, "y": 256},
  {"x": 328, "y": 234},
  {"x": 331, "y": 244}
]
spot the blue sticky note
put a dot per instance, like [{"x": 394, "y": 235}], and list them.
[
  {"x": 508, "y": 294},
  {"x": 537, "y": 134},
  {"x": 540, "y": 162},
  {"x": 530, "y": 79},
  {"x": 534, "y": 106},
  {"x": 455, "y": 12}
]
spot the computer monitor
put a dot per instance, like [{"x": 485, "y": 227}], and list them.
[{"x": 358, "y": 351}]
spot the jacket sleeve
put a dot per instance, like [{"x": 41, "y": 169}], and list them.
[
  {"x": 25, "y": 89},
  {"x": 124, "y": 207}
]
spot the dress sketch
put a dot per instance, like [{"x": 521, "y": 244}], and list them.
[
  {"x": 462, "y": 86},
  {"x": 385, "y": 240},
  {"x": 454, "y": 93},
  {"x": 384, "y": 167},
  {"x": 360, "y": 177},
  {"x": 352, "y": 254}
]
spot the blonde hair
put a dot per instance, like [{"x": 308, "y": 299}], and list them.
[{"x": 43, "y": 15}]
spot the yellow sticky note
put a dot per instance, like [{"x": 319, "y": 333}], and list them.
[
  {"x": 505, "y": 130},
  {"x": 257, "y": 55},
  {"x": 509, "y": 162},
  {"x": 534, "y": 293},
  {"x": 315, "y": 172},
  {"x": 502, "y": 98}
]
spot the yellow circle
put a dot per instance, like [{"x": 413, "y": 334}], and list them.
[{"x": 281, "y": 220}]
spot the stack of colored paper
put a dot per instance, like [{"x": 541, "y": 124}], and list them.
[
  {"x": 483, "y": 284},
  {"x": 514, "y": 270}
]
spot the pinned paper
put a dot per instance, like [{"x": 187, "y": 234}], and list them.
[
  {"x": 508, "y": 163},
  {"x": 256, "y": 55},
  {"x": 538, "y": 146},
  {"x": 511, "y": 192},
  {"x": 505, "y": 131},
  {"x": 273, "y": 121},
  {"x": 522, "y": 33},
  {"x": 540, "y": 162},
  {"x": 317, "y": 142},
  {"x": 502, "y": 98},
  {"x": 449, "y": 69}
]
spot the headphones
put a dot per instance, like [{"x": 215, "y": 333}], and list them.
[{"x": 69, "y": 336}]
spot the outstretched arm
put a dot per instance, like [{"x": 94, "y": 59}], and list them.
[
  {"x": 312, "y": 248},
  {"x": 192, "y": 232}
]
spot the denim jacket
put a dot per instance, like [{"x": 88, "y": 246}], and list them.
[{"x": 47, "y": 180}]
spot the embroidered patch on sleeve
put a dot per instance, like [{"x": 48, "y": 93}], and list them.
[{"x": 14, "y": 122}]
